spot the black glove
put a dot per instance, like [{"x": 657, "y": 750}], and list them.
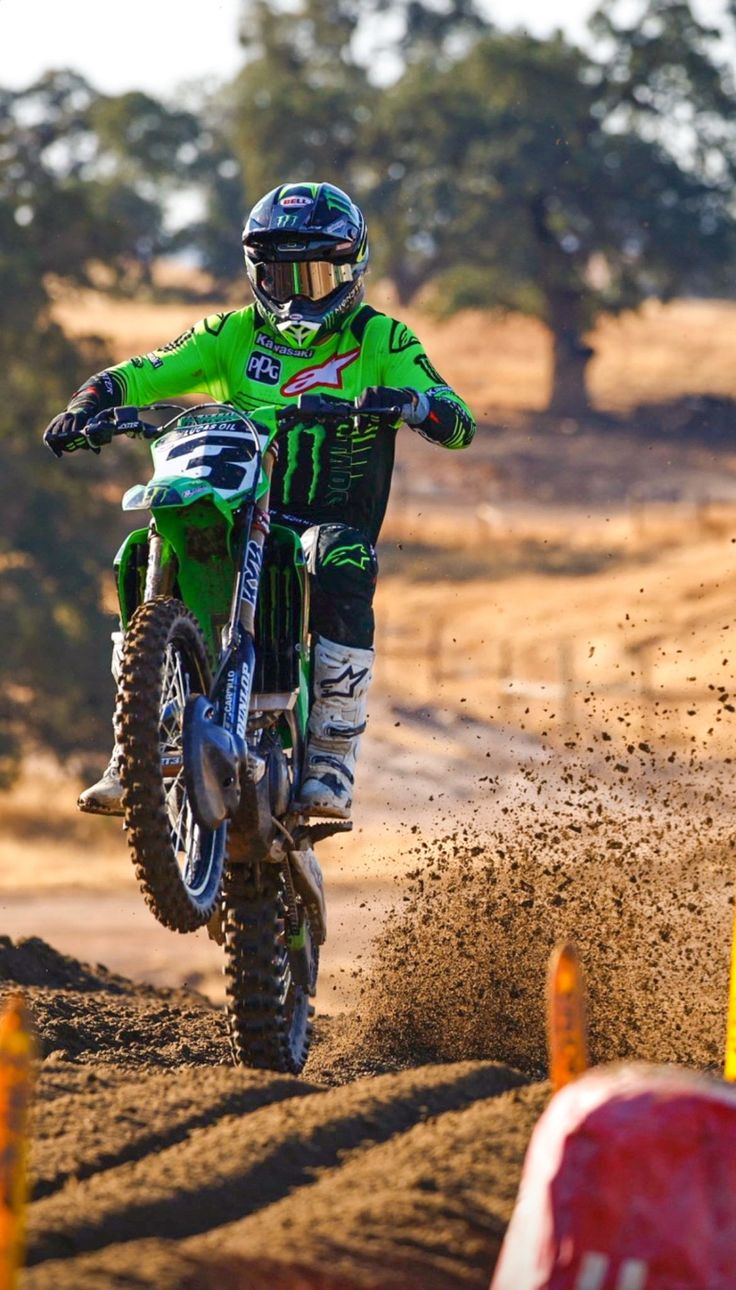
[
  {"x": 64, "y": 433},
  {"x": 413, "y": 407}
]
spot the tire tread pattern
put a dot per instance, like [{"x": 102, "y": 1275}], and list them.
[
  {"x": 269, "y": 1027},
  {"x": 137, "y": 724}
]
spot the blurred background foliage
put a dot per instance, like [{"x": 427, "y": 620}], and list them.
[{"x": 496, "y": 170}]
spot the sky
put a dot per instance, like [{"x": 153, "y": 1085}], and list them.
[{"x": 156, "y": 45}]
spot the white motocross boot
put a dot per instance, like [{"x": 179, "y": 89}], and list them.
[
  {"x": 342, "y": 677},
  {"x": 106, "y": 796}
]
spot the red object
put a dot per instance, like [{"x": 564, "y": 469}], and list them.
[{"x": 629, "y": 1183}]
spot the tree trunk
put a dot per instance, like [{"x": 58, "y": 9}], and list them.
[
  {"x": 571, "y": 355},
  {"x": 569, "y": 396}
]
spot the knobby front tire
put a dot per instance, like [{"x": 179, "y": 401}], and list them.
[{"x": 179, "y": 866}]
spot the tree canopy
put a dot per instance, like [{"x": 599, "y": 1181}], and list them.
[{"x": 503, "y": 170}]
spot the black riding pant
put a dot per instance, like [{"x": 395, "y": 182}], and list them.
[{"x": 343, "y": 567}]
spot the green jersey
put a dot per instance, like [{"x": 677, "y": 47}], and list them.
[{"x": 322, "y": 474}]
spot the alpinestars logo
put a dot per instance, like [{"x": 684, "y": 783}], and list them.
[
  {"x": 328, "y": 374},
  {"x": 355, "y": 554},
  {"x": 349, "y": 679}
]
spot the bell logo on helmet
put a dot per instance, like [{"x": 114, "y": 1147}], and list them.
[
  {"x": 327, "y": 374},
  {"x": 296, "y": 200}
]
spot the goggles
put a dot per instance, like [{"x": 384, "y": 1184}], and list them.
[{"x": 313, "y": 279}]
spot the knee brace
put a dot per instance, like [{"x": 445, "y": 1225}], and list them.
[{"x": 344, "y": 569}]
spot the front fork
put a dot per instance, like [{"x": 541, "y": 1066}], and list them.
[
  {"x": 234, "y": 683},
  {"x": 215, "y": 745}
]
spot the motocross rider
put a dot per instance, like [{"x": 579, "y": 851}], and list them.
[{"x": 308, "y": 331}]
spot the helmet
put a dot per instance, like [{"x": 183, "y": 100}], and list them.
[{"x": 306, "y": 250}]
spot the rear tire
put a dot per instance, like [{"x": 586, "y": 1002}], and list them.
[
  {"x": 178, "y": 865},
  {"x": 268, "y": 1012}
]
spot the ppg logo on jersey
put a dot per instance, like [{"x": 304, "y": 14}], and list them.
[{"x": 263, "y": 368}]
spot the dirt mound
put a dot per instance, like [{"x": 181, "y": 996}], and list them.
[
  {"x": 155, "y": 1163},
  {"x": 32, "y": 962}
]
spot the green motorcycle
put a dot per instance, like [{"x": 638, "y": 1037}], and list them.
[{"x": 212, "y": 709}]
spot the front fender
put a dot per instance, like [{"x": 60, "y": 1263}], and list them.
[{"x": 130, "y": 566}]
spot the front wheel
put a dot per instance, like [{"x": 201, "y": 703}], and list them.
[
  {"x": 178, "y": 865},
  {"x": 268, "y": 1008}
]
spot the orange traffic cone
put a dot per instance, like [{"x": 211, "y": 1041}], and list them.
[
  {"x": 566, "y": 1016},
  {"x": 17, "y": 1061}
]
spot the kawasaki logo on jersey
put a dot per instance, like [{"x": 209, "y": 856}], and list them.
[
  {"x": 263, "y": 368},
  {"x": 328, "y": 374},
  {"x": 266, "y": 342}
]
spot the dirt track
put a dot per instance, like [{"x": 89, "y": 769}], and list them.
[
  {"x": 394, "y": 1161},
  {"x": 154, "y": 1163}
]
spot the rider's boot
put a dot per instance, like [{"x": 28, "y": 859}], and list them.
[
  {"x": 342, "y": 677},
  {"x": 106, "y": 796}
]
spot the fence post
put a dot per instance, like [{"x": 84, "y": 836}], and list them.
[
  {"x": 505, "y": 675},
  {"x": 566, "y": 663},
  {"x": 435, "y": 660}
]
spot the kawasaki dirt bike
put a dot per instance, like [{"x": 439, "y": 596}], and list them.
[{"x": 212, "y": 710}]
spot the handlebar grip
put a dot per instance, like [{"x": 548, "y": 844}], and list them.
[
  {"x": 102, "y": 428},
  {"x": 322, "y": 408},
  {"x": 71, "y": 442}
]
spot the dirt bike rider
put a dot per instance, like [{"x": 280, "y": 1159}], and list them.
[{"x": 306, "y": 252}]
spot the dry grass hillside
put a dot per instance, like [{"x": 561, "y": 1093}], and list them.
[{"x": 661, "y": 353}]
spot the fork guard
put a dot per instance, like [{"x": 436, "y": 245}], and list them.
[
  {"x": 212, "y": 761},
  {"x": 309, "y": 884}
]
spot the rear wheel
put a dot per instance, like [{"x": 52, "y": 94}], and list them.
[
  {"x": 178, "y": 864},
  {"x": 268, "y": 1009}
]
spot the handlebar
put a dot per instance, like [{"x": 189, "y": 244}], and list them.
[
  {"x": 315, "y": 408},
  {"x": 106, "y": 425}
]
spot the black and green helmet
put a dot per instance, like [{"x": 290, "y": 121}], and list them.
[{"x": 306, "y": 250}]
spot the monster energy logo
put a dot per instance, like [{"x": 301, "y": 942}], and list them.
[
  {"x": 293, "y": 447},
  {"x": 340, "y": 466},
  {"x": 335, "y": 201}
]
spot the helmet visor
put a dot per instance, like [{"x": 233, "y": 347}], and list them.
[{"x": 314, "y": 279}]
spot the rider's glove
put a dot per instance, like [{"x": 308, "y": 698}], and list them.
[
  {"x": 64, "y": 432},
  {"x": 413, "y": 406}
]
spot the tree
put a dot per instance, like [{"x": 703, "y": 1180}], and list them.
[
  {"x": 529, "y": 186},
  {"x": 65, "y": 201},
  {"x": 302, "y": 102}
]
